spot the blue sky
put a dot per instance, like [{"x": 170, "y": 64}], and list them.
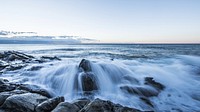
[{"x": 132, "y": 21}]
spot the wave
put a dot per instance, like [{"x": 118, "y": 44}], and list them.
[{"x": 124, "y": 81}]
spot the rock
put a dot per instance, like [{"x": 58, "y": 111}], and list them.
[
  {"x": 147, "y": 101},
  {"x": 88, "y": 82},
  {"x": 81, "y": 102},
  {"x": 141, "y": 91},
  {"x": 85, "y": 65},
  {"x": 99, "y": 105},
  {"x": 5, "y": 95},
  {"x": 35, "y": 89},
  {"x": 23, "y": 102},
  {"x": 15, "y": 67},
  {"x": 196, "y": 96},
  {"x": 3, "y": 81},
  {"x": 50, "y": 58},
  {"x": 1, "y": 55},
  {"x": 150, "y": 81},
  {"x": 49, "y": 104},
  {"x": 14, "y": 55},
  {"x": 7, "y": 87},
  {"x": 66, "y": 107},
  {"x": 131, "y": 79},
  {"x": 34, "y": 68},
  {"x": 3, "y": 66}
]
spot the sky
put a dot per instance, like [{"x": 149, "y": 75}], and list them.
[{"x": 110, "y": 21}]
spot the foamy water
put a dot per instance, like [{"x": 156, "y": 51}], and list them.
[{"x": 177, "y": 67}]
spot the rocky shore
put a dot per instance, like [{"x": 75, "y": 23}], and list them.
[
  {"x": 31, "y": 98},
  {"x": 20, "y": 97}
]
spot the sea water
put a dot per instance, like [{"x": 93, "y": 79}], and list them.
[{"x": 176, "y": 66}]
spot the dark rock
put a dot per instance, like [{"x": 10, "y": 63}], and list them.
[
  {"x": 9, "y": 110},
  {"x": 34, "y": 68},
  {"x": 85, "y": 65},
  {"x": 1, "y": 55},
  {"x": 88, "y": 82},
  {"x": 150, "y": 81},
  {"x": 3, "y": 66},
  {"x": 3, "y": 81},
  {"x": 15, "y": 67},
  {"x": 23, "y": 102},
  {"x": 50, "y": 58},
  {"x": 14, "y": 55},
  {"x": 49, "y": 104},
  {"x": 66, "y": 107},
  {"x": 196, "y": 96},
  {"x": 147, "y": 101},
  {"x": 99, "y": 105},
  {"x": 131, "y": 79},
  {"x": 81, "y": 102},
  {"x": 35, "y": 89},
  {"x": 141, "y": 91},
  {"x": 7, "y": 87},
  {"x": 5, "y": 95}
]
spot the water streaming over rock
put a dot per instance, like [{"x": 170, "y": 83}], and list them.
[{"x": 161, "y": 81}]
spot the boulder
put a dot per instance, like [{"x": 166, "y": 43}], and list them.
[
  {"x": 131, "y": 79},
  {"x": 85, "y": 65},
  {"x": 141, "y": 91},
  {"x": 3, "y": 81},
  {"x": 66, "y": 107},
  {"x": 81, "y": 102},
  {"x": 150, "y": 81},
  {"x": 15, "y": 67},
  {"x": 14, "y": 55},
  {"x": 2, "y": 66},
  {"x": 7, "y": 87},
  {"x": 50, "y": 57},
  {"x": 5, "y": 95},
  {"x": 23, "y": 102},
  {"x": 34, "y": 68},
  {"x": 35, "y": 89},
  {"x": 99, "y": 105},
  {"x": 89, "y": 83},
  {"x": 147, "y": 101},
  {"x": 49, "y": 104}
]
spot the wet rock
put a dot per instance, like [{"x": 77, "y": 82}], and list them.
[
  {"x": 7, "y": 87},
  {"x": 34, "y": 68},
  {"x": 85, "y": 65},
  {"x": 14, "y": 55},
  {"x": 81, "y": 102},
  {"x": 35, "y": 89},
  {"x": 147, "y": 101},
  {"x": 150, "y": 81},
  {"x": 66, "y": 107},
  {"x": 3, "y": 81},
  {"x": 23, "y": 102},
  {"x": 15, "y": 67},
  {"x": 196, "y": 96},
  {"x": 88, "y": 82},
  {"x": 99, "y": 105},
  {"x": 49, "y": 104},
  {"x": 131, "y": 79},
  {"x": 50, "y": 58},
  {"x": 3, "y": 66},
  {"x": 5, "y": 95},
  {"x": 141, "y": 91}
]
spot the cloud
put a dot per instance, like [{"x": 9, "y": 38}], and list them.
[
  {"x": 14, "y": 33},
  {"x": 7, "y": 37}
]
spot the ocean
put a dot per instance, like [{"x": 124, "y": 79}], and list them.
[{"x": 116, "y": 67}]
